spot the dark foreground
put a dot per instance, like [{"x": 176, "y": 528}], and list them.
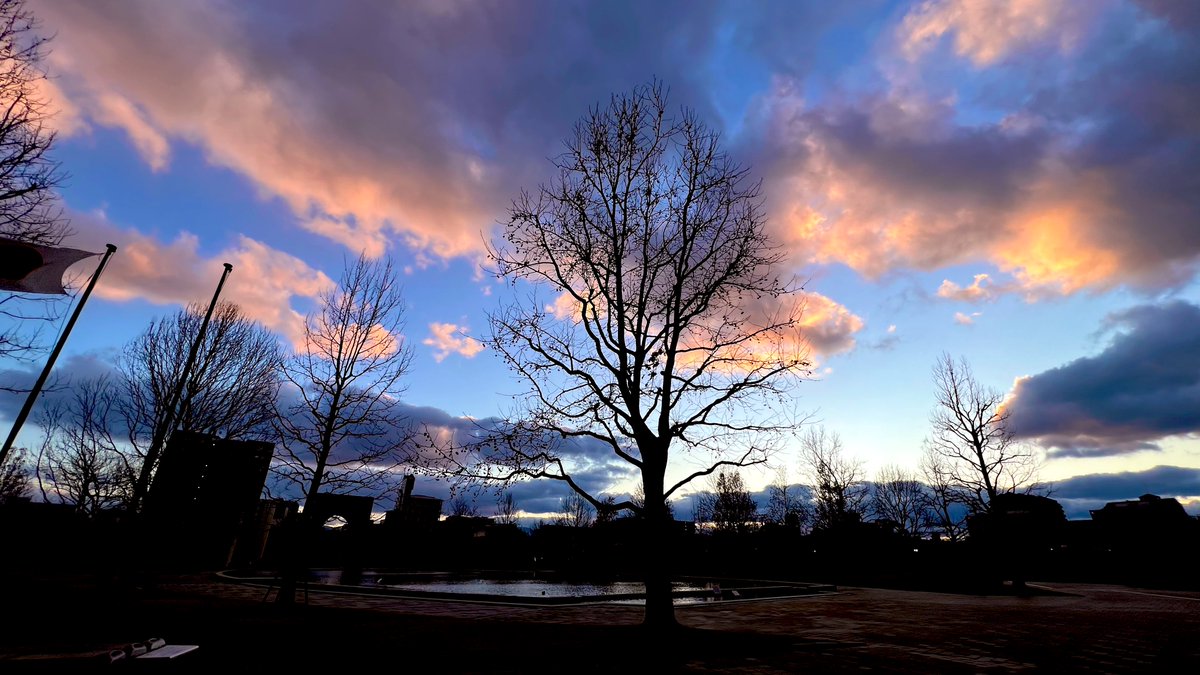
[{"x": 62, "y": 625}]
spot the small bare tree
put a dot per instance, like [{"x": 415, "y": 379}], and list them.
[
  {"x": 230, "y": 392},
  {"x": 946, "y": 511},
  {"x": 506, "y": 509},
  {"x": 575, "y": 512},
  {"x": 344, "y": 432},
  {"x": 972, "y": 434},
  {"x": 899, "y": 497},
  {"x": 607, "y": 511},
  {"x": 29, "y": 210},
  {"x": 839, "y": 494},
  {"x": 666, "y": 330},
  {"x": 14, "y": 476},
  {"x": 728, "y": 505},
  {"x": 785, "y": 507},
  {"x": 80, "y": 462},
  {"x": 460, "y": 506}
]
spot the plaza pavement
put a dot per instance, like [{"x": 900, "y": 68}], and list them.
[{"x": 1066, "y": 628}]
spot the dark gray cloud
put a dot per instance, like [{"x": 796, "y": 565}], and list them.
[
  {"x": 1080, "y": 494},
  {"x": 1164, "y": 481},
  {"x": 73, "y": 368},
  {"x": 1143, "y": 387}
]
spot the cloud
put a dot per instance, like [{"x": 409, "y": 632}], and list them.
[
  {"x": 1067, "y": 178},
  {"x": 449, "y": 338},
  {"x": 116, "y": 111},
  {"x": 888, "y": 341},
  {"x": 1059, "y": 146},
  {"x": 591, "y": 463},
  {"x": 1144, "y": 386},
  {"x": 987, "y": 32},
  {"x": 415, "y": 122},
  {"x": 828, "y": 326},
  {"x": 72, "y": 368},
  {"x": 1079, "y": 494},
  {"x": 264, "y": 281},
  {"x": 966, "y": 319},
  {"x": 982, "y": 289}
]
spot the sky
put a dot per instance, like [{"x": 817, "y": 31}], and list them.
[{"x": 1014, "y": 183}]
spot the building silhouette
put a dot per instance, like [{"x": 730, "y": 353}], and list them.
[{"x": 204, "y": 495}]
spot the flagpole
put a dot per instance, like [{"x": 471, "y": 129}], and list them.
[
  {"x": 62, "y": 340},
  {"x": 160, "y": 433}
]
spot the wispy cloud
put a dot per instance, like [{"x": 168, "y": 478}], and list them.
[{"x": 966, "y": 319}]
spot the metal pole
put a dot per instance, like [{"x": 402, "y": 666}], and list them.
[
  {"x": 62, "y": 340},
  {"x": 160, "y": 433}
]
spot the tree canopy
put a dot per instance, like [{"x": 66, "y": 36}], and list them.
[{"x": 649, "y": 316}]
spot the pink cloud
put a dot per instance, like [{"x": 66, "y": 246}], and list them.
[
  {"x": 264, "y": 281},
  {"x": 881, "y": 184},
  {"x": 450, "y": 338},
  {"x": 113, "y": 110},
  {"x": 981, "y": 289},
  {"x": 301, "y": 131},
  {"x": 966, "y": 319},
  {"x": 986, "y": 31},
  {"x": 828, "y": 326}
]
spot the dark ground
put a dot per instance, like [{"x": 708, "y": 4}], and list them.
[{"x": 62, "y": 624}]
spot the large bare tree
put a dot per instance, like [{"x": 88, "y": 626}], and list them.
[
  {"x": 666, "y": 330},
  {"x": 29, "y": 209},
  {"x": 230, "y": 391},
  {"x": 344, "y": 430},
  {"x": 971, "y": 434}
]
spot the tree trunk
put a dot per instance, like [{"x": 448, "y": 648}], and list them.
[{"x": 660, "y": 611}]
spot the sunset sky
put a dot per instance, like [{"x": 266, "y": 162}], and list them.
[{"x": 1014, "y": 182}]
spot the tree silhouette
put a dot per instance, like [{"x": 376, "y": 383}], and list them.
[
  {"x": 506, "y": 509},
  {"x": 29, "y": 210},
  {"x": 230, "y": 391},
  {"x": 946, "y": 513},
  {"x": 14, "y": 476},
  {"x": 345, "y": 431},
  {"x": 785, "y": 507},
  {"x": 666, "y": 330},
  {"x": 733, "y": 509},
  {"x": 576, "y": 512},
  {"x": 460, "y": 506},
  {"x": 839, "y": 494},
  {"x": 81, "y": 462},
  {"x": 971, "y": 435},
  {"x": 897, "y": 496}
]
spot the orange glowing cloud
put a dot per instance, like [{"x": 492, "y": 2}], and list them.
[
  {"x": 845, "y": 187},
  {"x": 1052, "y": 249}
]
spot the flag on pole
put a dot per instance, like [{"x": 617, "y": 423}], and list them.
[{"x": 32, "y": 268}]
